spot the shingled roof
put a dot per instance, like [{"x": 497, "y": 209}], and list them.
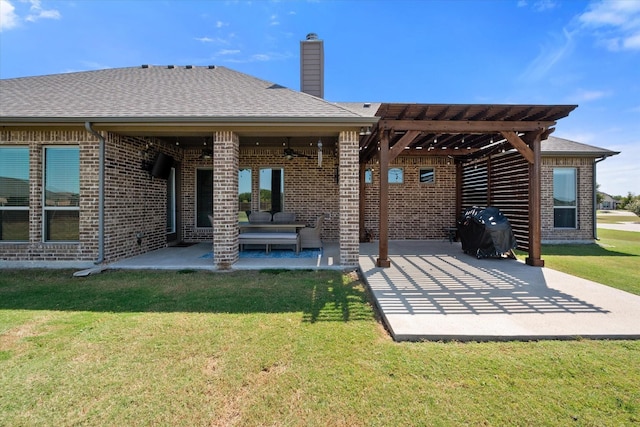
[
  {"x": 161, "y": 93},
  {"x": 565, "y": 147}
]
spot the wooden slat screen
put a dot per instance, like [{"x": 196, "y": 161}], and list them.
[
  {"x": 474, "y": 184},
  {"x": 501, "y": 181}
]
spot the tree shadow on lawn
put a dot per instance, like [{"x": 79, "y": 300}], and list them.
[{"x": 318, "y": 295}]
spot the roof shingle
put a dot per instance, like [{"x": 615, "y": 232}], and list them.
[{"x": 159, "y": 92}]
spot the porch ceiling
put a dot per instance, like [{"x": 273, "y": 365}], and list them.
[{"x": 459, "y": 130}]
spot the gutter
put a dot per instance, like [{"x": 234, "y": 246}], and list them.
[
  {"x": 101, "y": 156},
  {"x": 595, "y": 198}
]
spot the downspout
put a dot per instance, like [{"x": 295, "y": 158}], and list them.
[
  {"x": 101, "y": 155},
  {"x": 595, "y": 198}
]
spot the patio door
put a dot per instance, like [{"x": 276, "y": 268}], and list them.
[{"x": 173, "y": 210}]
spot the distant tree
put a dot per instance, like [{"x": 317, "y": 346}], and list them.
[
  {"x": 634, "y": 206},
  {"x": 624, "y": 201},
  {"x": 599, "y": 195}
]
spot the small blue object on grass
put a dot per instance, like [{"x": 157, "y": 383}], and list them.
[{"x": 275, "y": 253}]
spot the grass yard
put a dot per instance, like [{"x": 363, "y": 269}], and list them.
[
  {"x": 616, "y": 217},
  {"x": 287, "y": 349},
  {"x": 613, "y": 261}
]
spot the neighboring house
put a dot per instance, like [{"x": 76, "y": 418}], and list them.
[
  {"x": 608, "y": 202},
  {"x": 102, "y": 165}
]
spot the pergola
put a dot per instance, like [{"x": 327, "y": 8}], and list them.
[{"x": 462, "y": 132}]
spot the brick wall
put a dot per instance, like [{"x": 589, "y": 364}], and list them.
[
  {"x": 584, "y": 230},
  {"x": 135, "y": 202},
  {"x": 416, "y": 210},
  {"x": 35, "y": 249},
  {"x": 349, "y": 198},
  {"x": 308, "y": 190},
  {"x": 225, "y": 199}
]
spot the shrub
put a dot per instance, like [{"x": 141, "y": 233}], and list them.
[{"x": 634, "y": 207}]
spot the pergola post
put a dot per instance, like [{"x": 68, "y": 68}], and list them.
[
  {"x": 535, "y": 200},
  {"x": 383, "y": 249},
  {"x": 363, "y": 200}
]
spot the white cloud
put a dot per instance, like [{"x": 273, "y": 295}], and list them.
[
  {"x": 632, "y": 42},
  {"x": 273, "y": 20},
  {"x": 37, "y": 12},
  {"x": 582, "y": 95},
  {"x": 615, "y": 24},
  {"x": 542, "y": 5},
  {"x": 228, "y": 52},
  {"x": 539, "y": 5},
  {"x": 8, "y": 17},
  {"x": 220, "y": 24},
  {"x": 205, "y": 39},
  {"x": 549, "y": 56}
]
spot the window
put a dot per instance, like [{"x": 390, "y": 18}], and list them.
[
  {"x": 427, "y": 175},
  {"x": 61, "y": 194},
  {"x": 564, "y": 198},
  {"x": 272, "y": 190},
  {"x": 171, "y": 201},
  {"x": 368, "y": 176},
  {"x": 396, "y": 176},
  {"x": 14, "y": 194},
  {"x": 204, "y": 197},
  {"x": 244, "y": 194}
]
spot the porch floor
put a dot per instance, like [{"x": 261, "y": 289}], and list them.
[
  {"x": 433, "y": 291},
  {"x": 199, "y": 257}
]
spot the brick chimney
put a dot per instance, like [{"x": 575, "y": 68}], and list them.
[{"x": 312, "y": 66}]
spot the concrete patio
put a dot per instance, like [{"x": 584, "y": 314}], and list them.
[
  {"x": 198, "y": 257},
  {"x": 433, "y": 291}
]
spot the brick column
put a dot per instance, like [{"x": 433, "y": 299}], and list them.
[
  {"x": 349, "y": 157},
  {"x": 225, "y": 199}
]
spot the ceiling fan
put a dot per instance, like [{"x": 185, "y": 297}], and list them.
[{"x": 290, "y": 153}]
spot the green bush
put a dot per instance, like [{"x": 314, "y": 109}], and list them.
[{"x": 634, "y": 207}]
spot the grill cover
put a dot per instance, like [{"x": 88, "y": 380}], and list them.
[{"x": 486, "y": 233}]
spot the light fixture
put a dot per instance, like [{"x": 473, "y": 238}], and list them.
[
  {"x": 207, "y": 153},
  {"x": 319, "y": 153},
  {"x": 366, "y": 130}
]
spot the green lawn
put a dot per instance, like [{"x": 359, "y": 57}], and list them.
[
  {"x": 613, "y": 217},
  {"x": 295, "y": 348},
  {"x": 613, "y": 261}
]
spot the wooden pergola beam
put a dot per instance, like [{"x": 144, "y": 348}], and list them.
[
  {"x": 519, "y": 145},
  {"x": 466, "y": 126},
  {"x": 402, "y": 143}
]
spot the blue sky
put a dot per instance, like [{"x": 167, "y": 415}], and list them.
[{"x": 457, "y": 51}]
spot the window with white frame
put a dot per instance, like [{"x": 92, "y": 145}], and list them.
[
  {"x": 565, "y": 198},
  {"x": 14, "y": 194},
  {"x": 61, "y": 194},
  {"x": 204, "y": 197}
]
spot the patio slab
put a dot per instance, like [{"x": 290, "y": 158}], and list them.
[
  {"x": 199, "y": 257},
  {"x": 433, "y": 291}
]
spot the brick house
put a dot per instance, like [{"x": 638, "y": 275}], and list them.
[{"x": 102, "y": 165}]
